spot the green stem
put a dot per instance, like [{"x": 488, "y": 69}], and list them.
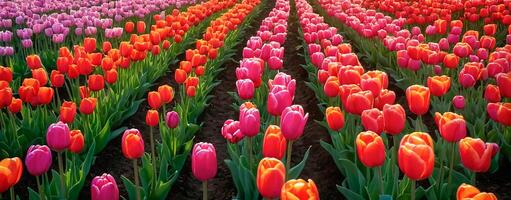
[
  {"x": 13, "y": 196},
  {"x": 288, "y": 159},
  {"x": 249, "y": 152},
  {"x": 452, "y": 163},
  {"x": 473, "y": 178},
  {"x": 413, "y": 190},
  {"x": 441, "y": 174},
  {"x": 153, "y": 153},
  {"x": 135, "y": 169},
  {"x": 395, "y": 169},
  {"x": 380, "y": 176},
  {"x": 205, "y": 190},
  {"x": 40, "y": 188},
  {"x": 62, "y": 178}
]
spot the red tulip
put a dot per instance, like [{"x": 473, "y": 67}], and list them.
[
  {"x": 395, "y": 119},
  {"x": 476, "y": 155},
  {"x": 418, "y": 99},
  {"x": 76, "y": 142},
  {"x": 57, "y": 79},
  {"x": 374, "y": 81},
  {"x": 67, "y": 112},
  {"x": 370, "y": 149},
  {"x": 372, "y": 120},
  {"x": 274, "y": 143},
  {"x": 166, "y": 93},
  {"x": 132, "y": 144},
  {"x": 6, "y": 74},
  {"x": 41, "y": 75},
  {"x": 416, "y": 157},
  {"x": 45, "y": 95},
  {"x": 89, "y": 44},
  {"x": 96, "y": 82},
  {"x": 154, "y": 100},
  {"x": 87, "y": 105},
  {"x": 152, "y": 118},
  {"x": 356, "y": 103},
  {"x": 34, "y": 61},
  {"x": 504, "y": 81},
  {"x": 385, "y": 97},
  {"x": 451, "y": 61},
  {"x": 492, "y": 93},
  {"x": 15, "y": 105},
  {"x": 451, "y": 126},
  {"x": 5, "y": 97}
]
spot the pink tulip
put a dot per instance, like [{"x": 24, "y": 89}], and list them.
[
  {"x": 250, "y": 119},
  {"x": 245, "y": 88},
  {"x": 293, "y": 122},
  {"x": 231, "y": 131},
  {"x": 250, "y": 68},
  {"x": 278, "y": 99},
  {"x": 58, "y": 137},
  {"x": 172, "y": 119},
  {"x": 38, "y": 159},
  {"x": 254, "y": 43},
  {"x": 104, "y": 187},
  {"x": 283, "y": 79},
  {"x": 275, "y": 63},
  {"x": 317, "y": 59},
  {"x": 458, "y": 101},
  {"x": 204, "y": 163}
]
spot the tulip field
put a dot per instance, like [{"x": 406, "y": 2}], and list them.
[{"x": 255, "y": 99}]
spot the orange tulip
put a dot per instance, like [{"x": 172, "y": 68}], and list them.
[
  {"x": 34, "y": 61},
  {"x": 439, "y": 85},
  {"x": 374, "y": 81},
  {"x": 5, "y": 97},
  {"x": 370, "y": 149},
  {"x": 15, "y": 106},
  {"x": 77, "y": 142},
  {"x": 152, "y": 118},
  {"x": 57, "y": 79},
  {"x": 41, "y": 75},
  {"x": 132, "y": 144},
  {"x": 10, "y": 173},
  {"x": 274, "y": 143},
  {"x": 67, "y": 112},
  {"x": 45, "y": 95},
  {"x": 469, "y": 192},
  {"x": 166, "y": 93},
  {"x": 476, "y": 155},
  {"x": 451, "y": 126},
  {"x": 87, "y": 105},
  {"x": 451, "y": 61},
  {"x": 180, "y": 76},
  {"x": 416, "y": 157},
  {"x": 111, "y": 76},
  {"x": 299, "y": 189},
  {"x": 395, "y": 119},
  {"x": 141, "y": 27},
  {"x": 385, "y": 97},
  {"x": 372, "y": 120},
  {"x": 418, "y": 99},
  {"x": 358, "y": 102},
  {"x": 89, "y": 44},
  {"x": 129, "y": 27},
  {"x": 334, "y": 118},
  {"x": 96, "y": 82},
  {"x": 154, "y": 99},
  {"x": 271, "y": 175},
  {"x": 6, "y": 74},
  {"x": 331, "y": 87}
]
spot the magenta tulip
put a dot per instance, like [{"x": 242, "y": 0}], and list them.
[
  {"x": 172, "y": 119},
  {"x": 231, "y": 131},
  {"x": 458, "y": 101},
  {"x": 278, "y": 99},
  {"x": 245, "y": 88},
  {"x": 104, "y": 187},
  {"x": 58, "y": 137},
  {"x": 38, "y": 159},
  {"x": 204, "y": 163},
  {"x": 250, "y": 119},
  {"x": 293, "y": 122}
]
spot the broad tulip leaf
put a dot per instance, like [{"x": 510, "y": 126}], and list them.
[
  {"x": 349, "y": 194},
  {"x": 295, "y": 171}
]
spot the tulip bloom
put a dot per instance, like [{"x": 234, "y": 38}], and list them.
[
  {"x": 451, "y": 61},
  {"x": 172, "y": 119},
  {"x": 250, "y": 119},
  {"x": 6, "y": 74},
  {"x": 104, "y": 187},
  {"x": 385, "y": 97},
  {"x": 415, "y": 156},
  {"x": 152, "y": 118},
  {"x": 278, "y": 99},
  {"x": 87, "y": 105},
  {"x": 356, "y": 103},
  {"x": 439, "y": 85},
  {"x": 246, "y": 88},
  {"x": 45, "y": 95},
  {"x": 372, "y": 120},
  {"x": 166, "y": 93},
  {"x": 274, "y": 143},
  {"x": 394, "y": 118},
  {"x": 374, "y": 81},
  {"x": 15, "y": 106},
  {"x": 57, "y": 79},
  {"x": 293, "y": 122},
  {"x": 299, "y": 189},
  {"x": 132, "y": 144},
  {"x": 503, "y": 114},
  {"x": 271, "y": 175},
  {"x": 96, "y": 82},
  {"x": 89, "y": 44},
  {"x": 41, "y": 75},
  {"x": 231, "y": 131},
  {"x": 10, "y": 173},
  {"x": 34, "y": 62},
  {"x": 204, "y": 163},
  {"x": 77, "y": 141},
  {"x": 370, "y": 149},
  {"x": 477, "y": 155},
  {"x": 154, "y": 100},
  {"x": 38, "y": 160},
  {"x": 67, "y": 112},
  {"x": 492, "y": 93},
  {"x": 58, "y": 136},
  {"x": 458, "y": 102},
  {"x": 466, "y": 191},
  {"x": 418, "y": 99},
  {"x": 451, "y": 126},
  {"x": 334, "y": 118},
  {"x": 504, "y": 81}
]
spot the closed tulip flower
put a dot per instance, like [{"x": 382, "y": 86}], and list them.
[
  {"x": 370, "y": 149},
  {"x": 372, "y": 120},
  {"x": 96, "y": 82},
  {"x": 451, "y": 126},
  {"x": 57, "y": 79},
  {"x": 451, "y": 61},
  {"x": 172, "y": 119},
  {"x": 458, "y": 102},
  {"x": 67, "y": 112},
  {"x": 492, "y": 93},
  {"x": 104, "y": 187},
  {"x": 271, "y": 175},
  {"x": 331, "y": 87},
  {"x": 250, "y": 119},
  {"x": 246, "y": 88},
  {"x": 87, "y": 105},
  {"x": 6, "y": 74},
  {"x": 503, "y": 114},
  {"x": 299, "y": 189},
  {"x": 274, "y": 143},
  {"x": 89, "y": 44},
  {"x": 111, "y": 76},
  {"x": 278, "y": 99},
  {"x": 45, "y": 95},
  {"x": 356, "y": 103},
  {"x": 16, "y": 105},
  {"x": 504, "y": 81},
  {"x": 34, "y": 62},
  {"x": 231, "y": 131},
  {"x": 462, "y": 49},
  {"x": 395, "y": 119},
  {"x": 469, "y": 192},
  {"x": 204, "y": 163},
  {"x": 418, "y": 99},
  {"x": 166, "y": 93},
  {"x": 154, "y": 100},
  {"x": 5, "y": 97},
  {"x": 152, "y": 118},
  {"x": 334, "y": 118},
  {"x": 416, "y": 157},
  {"x": 439, "y": 85},
  {"x": 77, "y": 141},
  {"x": 476, "y": 155},
  {"x": 293, "y": 122},
  {"x": 132, "y": 144},
  {"x": 38, "y": 160},
  {"x": 10, "y": 173},
  {"x": 385, "y": 97},
  {"x": 58, "y": 136},
  {"x": 41, "y": 75}
]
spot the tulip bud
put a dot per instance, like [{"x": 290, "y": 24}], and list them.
[
  {"x": 172, "y": 119},
  {"x": 57, "y": 79},
  {"x": 76, "y": 142},
  {"x": 395, "y": 119},
  {"x": 335, "y": 118},
  {"x": 299, "y": 189},
  {"x": 132, "y": 144},
  {"x": 104, "y": 187},
  {"x": 87, "y": 105},
  {"x": 458, "y": 101},
  {"x": 67, "y": 112},
  {"x": 15, "y": 106},
  {"x": 58, "y": 137},
  {"x": 152, "y": 118},
  {"x": 359, "y": 101},
  {"x": 279, "y": 98},
  {"x": 250, "y": 119},
  {"x": 293, "y": 122},
  {"x": 492, "y": 93},
  {"x": 271, "y": 175},
  {"x": 38, "y": 159},
  {"x": 504, "y": 81},
  {"x": 503, "y": 114},
  {"x": 418, "y": 98},
  {"x": 274, "y": 143},
  {"x": 166, "y": 93},
  {"x": 385, "y": 97},
  {"x": 6, "y": 74},
  {"x": 96, "y": 82},
  {"x": 245, "y": 88},
  {"x": 439, "y": 85},
  {"x": 370, "y": 149},
  {"x": 204, "y": 163}
]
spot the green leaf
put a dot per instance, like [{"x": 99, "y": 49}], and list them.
[
  {"x": 295, "y": 171},
  {"x": 349, "y": 194}
]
